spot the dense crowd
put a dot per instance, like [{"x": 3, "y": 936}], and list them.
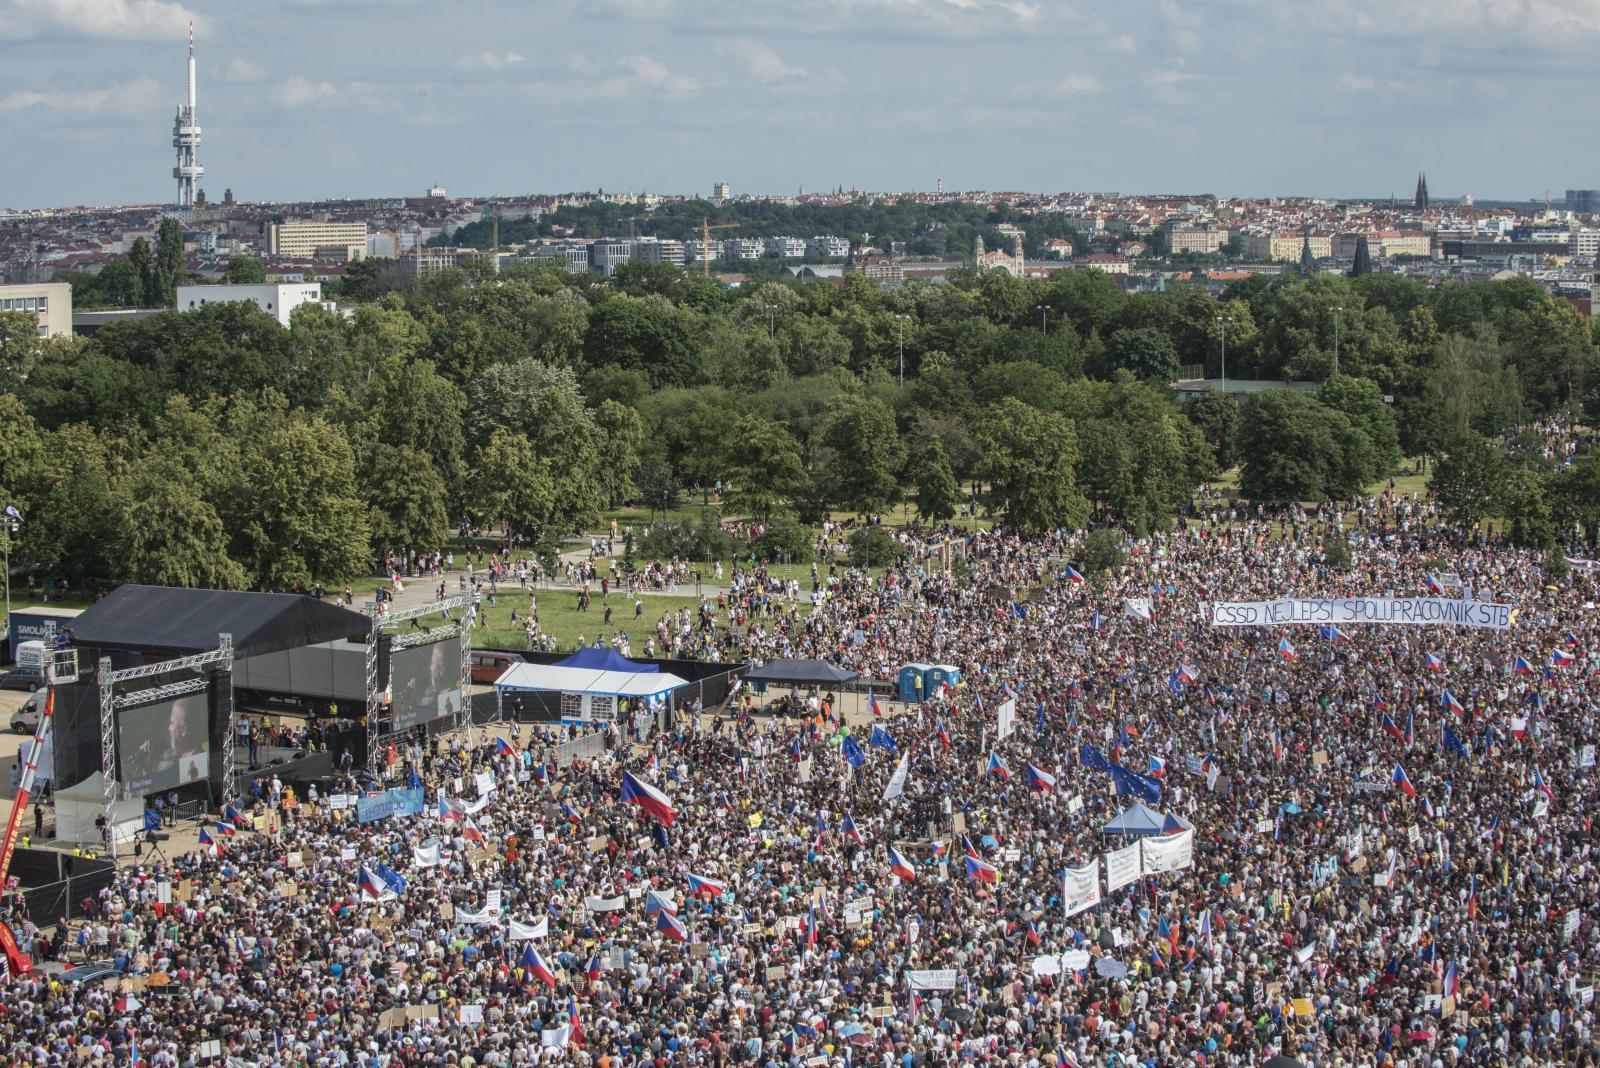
[{"x": 1332, "y": 915}]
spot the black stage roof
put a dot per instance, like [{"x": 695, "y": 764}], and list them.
[{"x": 181, "y": 622}]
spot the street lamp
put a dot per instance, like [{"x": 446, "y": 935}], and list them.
[
  {"x": 1223, "y": 321},
  {"x": 902, "y": 319},
  {"x": 1337, "y": 309},
  {"x": 9, "y": 523},
  {"x": 1044, "y": 318}
]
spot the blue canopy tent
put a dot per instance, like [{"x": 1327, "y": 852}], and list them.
[
  {"x": 1138, "y": 820},
  {"x": 601, "y": 659}
]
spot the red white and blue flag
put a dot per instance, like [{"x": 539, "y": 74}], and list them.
[
  {"x": 1157, "y": 768},
  {"x": 502, "y": 747},
  {"x": 1448, "y": 700},
  {"x": 1403, "y": 781},
  {"x": 1560, "y": 658},
  {"x": 574, "y": 1025},
  {"x": 535, "y": 966},
  {"x": 1072, "y": 575},
  {"x": 901, "y": 867},
  {"x": 982, "y": 870},
  {"x": 1187, "y": 674},
  {"x": 656, "y": 804},
  {"x": 1542, "y": 784},
  {"x": 1390, "y": 727},
  {"x": 1041, "y": 780},
  {"x": 872, "y": 702},
  {"x": 671, "y": 926},
  {"x": 1522, "y": 667},
  {"x": 1431, "y": 662},
  {"x": 849, "y": 830},
  {"x": 997, "y": 766},
  {"x": 705, "y": 886},
  {"x": 1452, "y": 980},
  {"x": 1286, "y": 649}
]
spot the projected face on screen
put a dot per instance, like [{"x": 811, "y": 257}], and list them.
[
  {"x": 427, "y": 683},
  {"x": 164, "y": 745}
]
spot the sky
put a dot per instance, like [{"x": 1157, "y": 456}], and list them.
[{"x": 308, "y": 99}]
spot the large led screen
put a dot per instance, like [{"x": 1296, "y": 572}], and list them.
[
  {"x": 426, "y": 681},
  {"x": 164, "y": 745}
]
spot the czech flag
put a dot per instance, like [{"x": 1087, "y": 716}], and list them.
[
  {"x": 1522, "y": 667},
  {"x": 449, "y": 810},
  {"x": 655, "y": 803},
  {"x": 944, "y": 738},
  {"x": 1433, "y": 584},
  {"x": 982, "y": 870},
  {"x": 997, "y": 766},
  {"x": 1542, "y": 784},
  {"x": 872, "y": 703},
  {"x": 700, "y": 885},
  {"x": 1158, "y": 768},
  {"x": 1448, "y": 700},
  {"x": 671, "y": 926},
  {"x": 1519, "y": 727},
  {"x": 594, "y": 968},
  {"x": 536, "y": 967},
  {"x": 655, "y": 902},
  {"x": 1432, "y": 663},
  {"x": 1072, "y": 575},
  {"x": 232, "y": 815},
  {"x": 1390, "y": 727},
  {"x": 1277, "y": 743},
  {"x": 502, "y": 747},
  {"x": 1041, "y": 780},
  {"x": 1330, "y": 633},
  {"x": 938, "y": 849},
  {"x": 571, "y": 813},
  {"x": 470, "y": 832},
  {"x": 968, "y": 848},
  {"x": 849, "y": 829},
  {"x": 1560, "y": 658},
  {"x": 1472, "y": 897},
  {"x": 574, "y": 1027},
  {"x": 369, "y": 884},
  {"x": 1403, "y": 781},
  {"x": 1286, "y": 649},
  {"x": 811, "y": 925},
  {"x": 901, "y": 867},
  {"x": 1186, "y": 674},
  {"x": 1452, "y": 980},
  {"x": 224, "y": 829}
]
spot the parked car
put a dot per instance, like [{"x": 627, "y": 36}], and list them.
[{"x": 25, "y": 720}]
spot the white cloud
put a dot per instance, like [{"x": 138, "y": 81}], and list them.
[
  {"x": 237, "y": 70},
  {"x": 297, "y": 91},
  {"x": 489, "y": 60},
  {"x": 1020, "y": 10},
  {"x": 653, "y": 74},
  {"x": 1356, "y": 82},
  {"x": 1064, "y": 86},
  {"x": 123, "y": 20},
  {"x": 759, "y": 60},
  {"x": 131, "y": 99},
  {"x": 1122, "y": 44}
]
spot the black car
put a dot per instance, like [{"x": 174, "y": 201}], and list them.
[{"x": 22, "y": 678}]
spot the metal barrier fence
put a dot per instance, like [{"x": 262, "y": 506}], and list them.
[
  {"x": 586, "y": 747},
  {"x": 71, "y": 879}
]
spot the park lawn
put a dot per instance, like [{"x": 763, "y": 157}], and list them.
[{"x": 559, "y": 615}]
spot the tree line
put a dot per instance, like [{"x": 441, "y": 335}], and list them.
[{"x": 216, "y": 447}]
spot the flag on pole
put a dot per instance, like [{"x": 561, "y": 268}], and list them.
[
  {"x": 1402, "y": 780},
  {"x": 656, "y": 804},
  {"x": 1040, "y": 780},
  {"x": 900, "y": 866}
]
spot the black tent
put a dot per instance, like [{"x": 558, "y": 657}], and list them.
[
  {"x": 135, "y": 625},
  {"x": 800, "y": 673},
  {"x": 178, "y": 622}
]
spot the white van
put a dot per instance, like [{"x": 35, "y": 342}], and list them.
[{"x": 25, "y": 720}]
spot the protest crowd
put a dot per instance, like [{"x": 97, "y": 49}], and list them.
[{"x": 1391, "y": 830}]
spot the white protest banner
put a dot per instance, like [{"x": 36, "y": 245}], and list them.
[
  {"x": 553, "y": 1037},
  {"x": 897, "y": 781},
  {"x": 1137, "y": 607},
  {"x": 1122, "y": 867},
  {"x": 604, "y": 904},
  {"x": 1167, "y": 852},
  {"x": 803, "y": 771},
  {"x": 521, "y": 932},
  {"x": 491, "y": 901},
  {"x": 1432, "y": 611},
  {"x": 425, "y": 856},
  {"x": 1007, "y": 714},
  {"x": 1075, "y": 960},
  {"x": 931, "y": 979},
  {"x": 485, "y": 782},
  {"x": 1080, "y": 889},
  {"x": 475, "y": 919},
  {"x": 1586, "y": 757},
  {"x": 1048, "y": 965}
]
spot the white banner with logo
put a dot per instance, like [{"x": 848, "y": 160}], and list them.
[
  {"x": 931, "y": 979},
  {"x": 1426, "y": 611},
  {"x": 1167, "y": 852},
  {"x": 1080, "y": 889},
  {"x": 1122, "y": 867}
]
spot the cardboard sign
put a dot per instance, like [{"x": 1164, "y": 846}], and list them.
[
  {"x": 347, "y": 853},
  {"x": 1075, "y": 804},
  {"x": 393, "y": 1018},
  {"x": 290, "y": 889},
  {"x": 958, "y": 823},
  {"x": 751, "y": 930},
  {"x": 1319, "y": 758},
  {"x": 294, "y": 860},
  {"x": 698, "y": 949},
  {"x": 775, "y": 973}
]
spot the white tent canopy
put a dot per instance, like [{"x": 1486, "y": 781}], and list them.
[{"x": 583, "y": 680}]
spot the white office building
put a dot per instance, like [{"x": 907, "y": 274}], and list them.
[
  {"x": 277, "y": 300},
  {"x": 49, "y": 302},
  {"x": 789, "y": 248},
  {"x": 827, "y": 245}
]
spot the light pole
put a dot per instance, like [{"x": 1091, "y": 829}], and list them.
[
  {"x": 1223, "y": 321},
  {"x": 1337, "y": 309},
  {"x": 8, "y": 525},
  {"x": 902, "y": 319},
  {"x": 1044, "y": 318}
]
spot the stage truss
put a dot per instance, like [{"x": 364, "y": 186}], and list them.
[
  {"x": 379, "y": 734},
  {"x": 111, "y": 701}
]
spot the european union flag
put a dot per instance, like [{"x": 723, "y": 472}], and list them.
[
  {"x": 852, "y": 752},
  {"x": 880, "y": 737},
  {"x": 1093, "y": 759},
  {"x": 1143, "y": 787},
  {"x": 152, "y": 819},
  {"x": 391, "y": 878}
]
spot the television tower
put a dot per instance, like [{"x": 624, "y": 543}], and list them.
[{"x": 186, "y": 139}]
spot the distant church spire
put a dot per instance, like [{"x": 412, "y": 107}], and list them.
[{"x": 1421, "y": 203}]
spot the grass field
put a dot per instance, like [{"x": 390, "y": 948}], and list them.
[{"x": 559, "y": 615}]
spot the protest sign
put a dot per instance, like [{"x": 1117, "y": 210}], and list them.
[
  {"x": 1434, "y": 611},
  {"x": 1167, "y": 852},
  {"x": 1122, "y": 867},
  {"x": 1080, "y": 889}
]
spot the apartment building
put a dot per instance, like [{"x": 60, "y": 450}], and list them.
[
  {"x": 49, "y": 302},
  {"x": 277, "y": 300},
  {"x": 306, "y": 239}
]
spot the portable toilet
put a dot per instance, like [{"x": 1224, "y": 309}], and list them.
[
  {"x": 941, "y": 675},
  {"x": 914, "y": 682}
]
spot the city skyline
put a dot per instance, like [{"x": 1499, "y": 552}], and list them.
[{"x": 320, "y": 99}]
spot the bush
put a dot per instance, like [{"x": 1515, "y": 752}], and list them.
[
  {"x": 1336, "y": 550},
  {"x": 783, "y": 539},
  {"x": 1555, "y": 564},
  {"x": 698, "y": 539},
  {"x": 873, "y": 545}
]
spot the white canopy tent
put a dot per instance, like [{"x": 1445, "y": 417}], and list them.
[{"x": 587, "y": 695}]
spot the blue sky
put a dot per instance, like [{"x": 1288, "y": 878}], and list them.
[{"x": 311, "y": 98}]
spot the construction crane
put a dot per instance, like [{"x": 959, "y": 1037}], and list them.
[{"x": 705, "y": 242}]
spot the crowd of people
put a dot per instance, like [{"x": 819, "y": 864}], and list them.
[{"x": 1394, "y": 855}]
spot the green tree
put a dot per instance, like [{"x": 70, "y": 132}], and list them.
[
  {"x": 1362, "y": 403},
  {"x": 296, "y": 516},
  {"x": 1101, "y": 551},
  {"x": 71, "y": 509},
  {"x": 764, "y": 472},
  {"x": 938, "y": 493},
  {"x": 1217, "y": 416},
  {"x": 171, "y": 535},
  {"x": 510, "y": 484},
  {"x": 168, "y": 270},
  {"x": 867, "y": 455},
  {"x": 1146, "y": 353},
  {"x": 1029, "y": 457},
  {"x": 621, "y": 439},
  {"x": 406, "y": 498},
  {"x": 1287, "y": 443},
  {"x": 140, "y": 259},
  {"x": 1468, "y": 479},
  {"x": 245, "y": 271},
  {"x": 1525, "y": 505},
  {"x": 544, "y": 405},
  {"x": 1575, "y": 495}
]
